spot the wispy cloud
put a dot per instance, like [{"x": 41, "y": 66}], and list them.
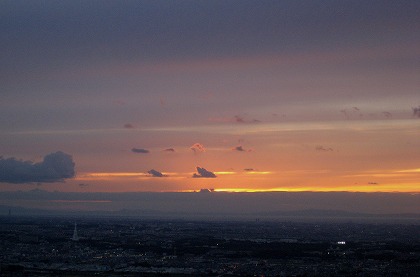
[
  {"x": 323, "y": 149},
  {"x": 240, "y": 119},
  {"x": 169, "y": 150},
  {"x": 55, "y": 167}
]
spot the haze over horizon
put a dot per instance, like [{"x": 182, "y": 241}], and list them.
[{"x": 235, "y": 96}]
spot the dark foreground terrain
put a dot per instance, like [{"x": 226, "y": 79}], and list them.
[{"x": 131, "y": 247}]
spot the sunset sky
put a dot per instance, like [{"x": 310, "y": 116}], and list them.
[{"x": 225, "y": 95}]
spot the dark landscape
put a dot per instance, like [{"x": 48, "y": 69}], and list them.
[{"x": 112, "y": 246}]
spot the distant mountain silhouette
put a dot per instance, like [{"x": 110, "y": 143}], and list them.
[{"x": 300, "y": 215}]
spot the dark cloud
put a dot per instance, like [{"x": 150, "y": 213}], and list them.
[
  {"x": 128, "y": 126},
  {"x": 249, "y": 169},
  {"x": 203, "y": 173},
  {"x": 416, "y": 111},
  {"x": 83, "y": 185},
  {"x": 239, "y": 148},
  {"x": 373, "y": 183},
  {"x": 140, "y": 150},
  {"x": 55, "y": 167},
  {"x": 198, "y": 147},
  {"x": 323, "y": 149},
  {"x": 155, "y": 173},
  {"x": 168, "y": 150}
]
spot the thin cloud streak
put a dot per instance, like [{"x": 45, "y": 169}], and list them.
[{"x": 140, "y": 150}]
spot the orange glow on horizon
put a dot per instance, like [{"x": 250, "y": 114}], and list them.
[
  {"x": 391, "y": 188},
  {"x": 120, "y": 175},
  {"x": 258, "y": 172},
  {"x": 225, "y": 172},
  {"x": 403, "y": 180}
]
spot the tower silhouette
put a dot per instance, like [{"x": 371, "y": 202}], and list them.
[{"x": 75, "y": 236}]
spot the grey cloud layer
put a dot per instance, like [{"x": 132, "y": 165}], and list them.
[{"x": 55, "y": 167}]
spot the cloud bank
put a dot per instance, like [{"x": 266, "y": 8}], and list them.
[
  {"x": 55, "y": 167},
  {"x": 203, "y": 173}
]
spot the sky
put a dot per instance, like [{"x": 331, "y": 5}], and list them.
[{"x": 236, "y": 96}]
